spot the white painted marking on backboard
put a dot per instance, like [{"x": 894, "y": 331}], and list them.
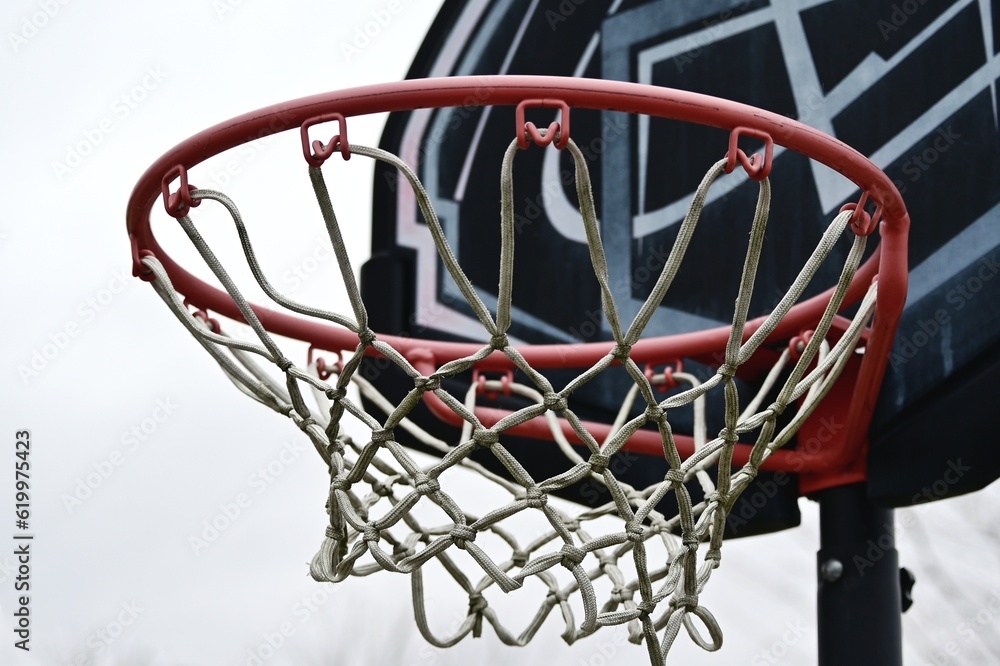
[
  {"x": 676, "y": 47},
  {"x": 429, "y": 312},
  {"x": 954, "y": 256},
  {"x": 562, "y": 214},
  {"x": 808, "y": 95},
  {"x": 409, "y": 232},
  {"x": 986, "y": 19},
  {"x": 831, "y": 186},
  {"x": 463, "y": 177},
  {"x": 937, "y": 114}
]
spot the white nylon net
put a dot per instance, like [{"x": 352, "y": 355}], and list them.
[{"x": 387, "y": 512}]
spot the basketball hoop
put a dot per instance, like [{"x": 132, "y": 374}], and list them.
[{"x": 818, "y": 362}]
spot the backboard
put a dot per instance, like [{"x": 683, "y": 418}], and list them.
[{"x": 911, "y": 85}]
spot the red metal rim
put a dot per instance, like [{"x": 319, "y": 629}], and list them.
[
  {"x": 511, "y": 91},
  {"x": 888, "y": 265}
]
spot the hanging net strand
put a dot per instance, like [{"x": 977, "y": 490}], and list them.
[{"x": 649, "y": 569}]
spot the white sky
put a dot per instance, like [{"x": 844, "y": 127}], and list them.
[{"x": 126, "y": 544}]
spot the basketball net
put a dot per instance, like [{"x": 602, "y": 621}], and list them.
[{"x": 623, "y": 563}]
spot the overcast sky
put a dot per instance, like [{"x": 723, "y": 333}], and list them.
[{"x": 139, "y": 440}]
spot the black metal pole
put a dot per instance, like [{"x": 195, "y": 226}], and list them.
[{"x": 859, "y": 599}]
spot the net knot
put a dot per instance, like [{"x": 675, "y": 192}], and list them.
[
  {"x": 751, "y": 472},
  {"x": 382, "y": 489},
  {"x": 621, "y": 352},
  {"x": 335, "y": 534},
  {"x": 401, "y": 551},
  {"x": 371, "y": 533},
  {"x": 555, "y": 402},
  {"x": 461, "y": 534},
  {"x": 728, "y": 435},
  {"x": 335, "y": 394},
  {"x": 713, "y": 554},
  {"x": 477, "y": 603},
  {"x": 499, "y": 341},
  {"x": 425, "y": 485},
  {"x": 572, "y": 556},
  {"x": 426, "y": 384},
  {"x": 335, "y": 446},
  {"x": 486, "y": 438},
  {"x": 599, "y": 462},
  {"x": 306, "y": 422},
  {"x": 687, "y": 602},
  {"x": 366, "y": 337},
  {"x": 519, "y": 558},
  {"x": 645, "y": 607},
  {"x": 777, "y": 408},
  {"x": 382, "y": 435},
  {"x": 690, "y": 540},
  {"x": 284, "y": 364},
  {"x": 674, "y": 476},
  {"x": 555, "y": 598},
  {"x": 340, "y": 482},
  {"x": 634, "y": 531},
  {"x": 726, "y": 370},
  {"x": 620, "y": 595},
  {"x": 535, "y": 498},
  {"x": 654, "y": 413}
]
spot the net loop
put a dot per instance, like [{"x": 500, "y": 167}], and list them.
[{"x": 714, "y": 630}]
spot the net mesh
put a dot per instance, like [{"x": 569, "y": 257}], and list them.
[{"x": 625, "y": 562}]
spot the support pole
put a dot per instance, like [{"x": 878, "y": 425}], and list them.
[{"x": 859, "y": 601}]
